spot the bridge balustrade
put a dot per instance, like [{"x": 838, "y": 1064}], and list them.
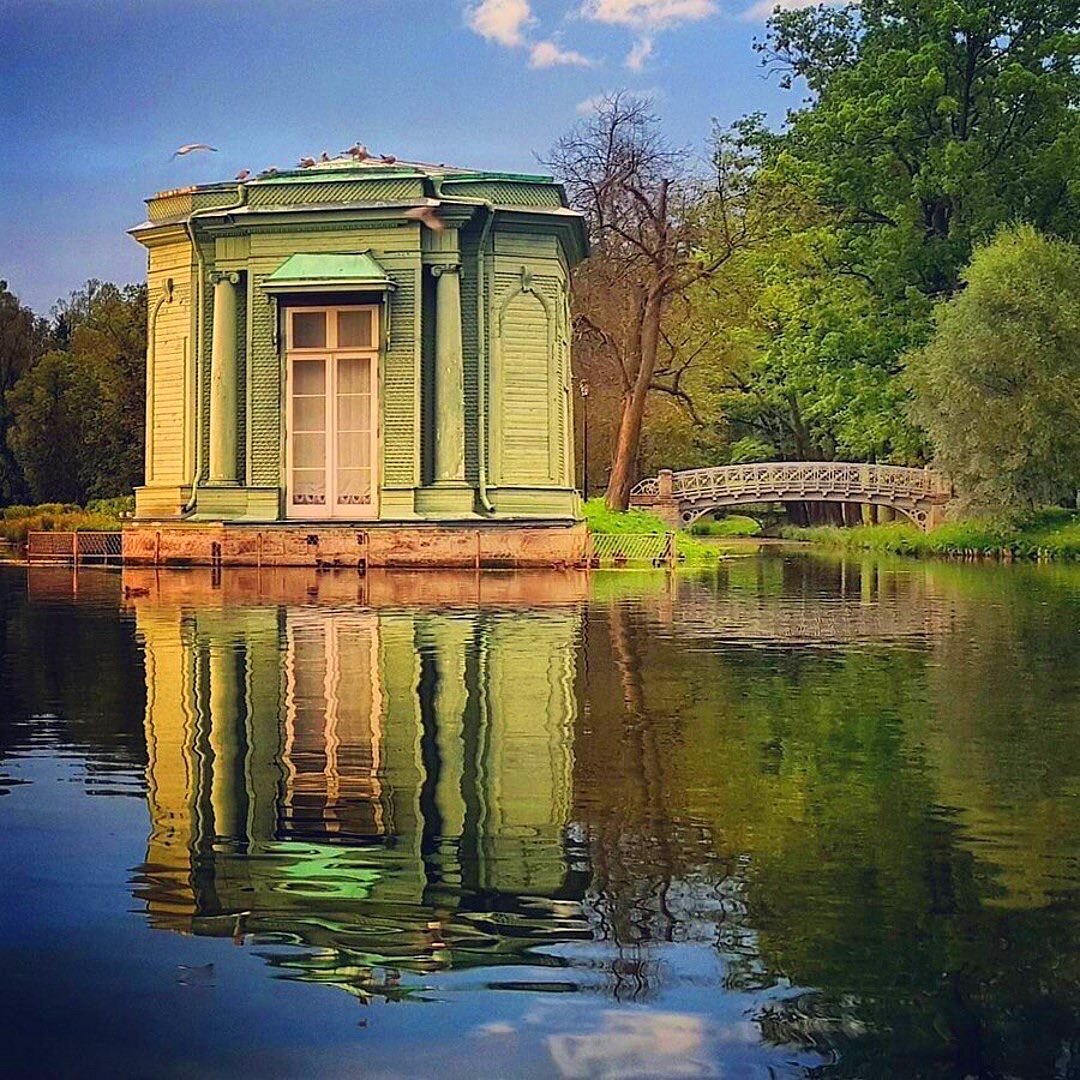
[{"x": 689, "y": 494}]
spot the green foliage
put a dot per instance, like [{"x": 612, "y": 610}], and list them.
[
  {"x": 732, "y": 525},
  {"x": 998, "y": 385},
  {"x": 928, "y": 127},
  {"x": 23, "y": 337},
  {"x": 76, "y": 414},
  {"x": 600, "y": 519},
  {"x": 103, "y": 515},
  {"x": 1052, "y": 533}
]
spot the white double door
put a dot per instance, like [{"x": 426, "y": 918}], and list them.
[{"x": 331, "y": 427}]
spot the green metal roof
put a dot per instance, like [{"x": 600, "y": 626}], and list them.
[{"x": 300, "y": 273}]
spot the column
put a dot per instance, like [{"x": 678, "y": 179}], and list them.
[
  {"x": 223, "y": 382},
  {"x": 449, "y": 376},
  {"x": 225, "y": 728}
]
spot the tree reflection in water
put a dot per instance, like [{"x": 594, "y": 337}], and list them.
[{"x": 843, "y": 793}]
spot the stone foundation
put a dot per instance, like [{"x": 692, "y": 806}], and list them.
[{"x": 411, "y": 546}]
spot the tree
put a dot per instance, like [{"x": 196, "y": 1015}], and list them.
[
  {"x": 55, "y": 434},
  {"x": 926, "y": 127},
  {"x": 77, "y": 415},
  {"x": 998, "y": 385},
  {"x": 931, "y": 124},
  {"x": 23, "y": 337},
  {"x": 107, "y": 328},
  {"x": 648, "y": 217}
]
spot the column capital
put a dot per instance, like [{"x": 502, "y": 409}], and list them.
[
  {"x": 218, "y": 276},
  {"x": 438, "y": 269}
]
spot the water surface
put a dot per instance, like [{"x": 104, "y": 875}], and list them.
[{"x": 797, "y": 816}]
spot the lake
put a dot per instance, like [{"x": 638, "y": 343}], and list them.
[{"x": 797, "y": 815}]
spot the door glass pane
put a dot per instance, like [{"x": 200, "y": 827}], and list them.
[
  {"x": 309, "y": 450},
  {"x": 353, "y": 375},
  {"x": 309, "y": 329},
  {"x": 308, "y": 483},
  {"x": 309, "y": 413},
  {"x": 309, "y": 487},
  {"x": 353, "y": 449},
  {"x": 353, "y": 487},
  {"x": 354, "y": 329},
  {"x": 309, "y": 377},
  {"x": 354, "y": 412}
]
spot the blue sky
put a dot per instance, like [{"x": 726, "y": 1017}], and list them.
[{"x": 94, "y": 97}]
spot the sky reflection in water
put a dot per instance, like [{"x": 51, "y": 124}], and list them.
[{"x": 795, "y": 814}]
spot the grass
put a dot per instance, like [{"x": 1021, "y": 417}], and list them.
[
  {"x": 641, "y": 523},
  {"x": 99, "y": 515},
  {"x": 732, "y": 525},
  {"x": 1049, "y": 534}
]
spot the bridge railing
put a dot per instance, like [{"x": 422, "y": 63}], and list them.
[{"x": 797, "y": 476}]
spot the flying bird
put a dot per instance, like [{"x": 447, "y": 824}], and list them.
[
  {"x": 426, "y": 216},
  {"x": 243, "y": 174},
  {"x": 190, "y": 147}
]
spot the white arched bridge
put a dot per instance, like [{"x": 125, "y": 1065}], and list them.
[{"x": 682, "y": 497}]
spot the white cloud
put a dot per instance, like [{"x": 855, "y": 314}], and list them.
[
  {"x": 503, "y": 21},
  {"x": 589, "y": 105},
  {"x": 764, "y": 8},
  {"x": 636, "y": 57},
  {"x": 545, "y": 54},
  {"x": 647, "y": 14}
]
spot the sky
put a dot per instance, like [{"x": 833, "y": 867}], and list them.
[{"x": 96, "y": 96}]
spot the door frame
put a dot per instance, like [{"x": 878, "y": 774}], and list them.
[{"x": 330, "y": 354}]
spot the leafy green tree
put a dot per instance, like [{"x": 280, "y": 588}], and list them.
[
  {"x": 56, "y": 406},
  {"x": 926, "y": 127},
  {"x": 998, "y": 385},
  {"x": 106, "y": 324},
  {"x": 23, "y": 337},
  {"x": 929, "y": 125},
  {"x": 77, "y": 415}
]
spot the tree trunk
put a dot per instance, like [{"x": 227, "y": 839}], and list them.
[
  {"x": 625, "y": 455},
  {"x": 628, "y": 440}
]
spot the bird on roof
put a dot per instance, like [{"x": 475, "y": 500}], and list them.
[
  {"x": 189, "y": 148},
  {"x": 324, "y": 156},
  {"x": 306, "y": 162},
  {"x": 426, "y": 216},
  {"x": 243, "y": 174},
  {"x": 268, "y": 172},
  {"x": 388, "y": 159},
  {"x": 359, "y": 151}
]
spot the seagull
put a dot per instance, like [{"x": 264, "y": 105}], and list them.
[
  {"x": 268, "y": 172},
  {"x": 243, "y": 174},
  {"x": 188, "y": 148},
  {"x": 389, "y": 159},
  {"x": 324, "y": 156},
  {"x": 426, "y": 216},
  {"x": 360, "y": 152},
  {"x": 306, "y": 162}
]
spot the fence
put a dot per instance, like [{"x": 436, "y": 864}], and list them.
[
  {"x": 625, "y": 549},
  {"x": 74, "y": 547}
]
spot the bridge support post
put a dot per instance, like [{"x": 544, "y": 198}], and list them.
[{"x": 666, "y": 507}]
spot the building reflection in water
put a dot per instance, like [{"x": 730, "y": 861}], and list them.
[{"x": 391, "y": 787}]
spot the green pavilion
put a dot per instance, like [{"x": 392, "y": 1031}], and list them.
[{"x": 361, "y": 359}]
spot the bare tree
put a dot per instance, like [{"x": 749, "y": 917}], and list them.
[{"x": 656, "y": 227}]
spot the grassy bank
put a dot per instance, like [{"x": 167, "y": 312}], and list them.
[
  {"x": 1051, "y": 534},
  {"x": 100, "y": 515},
  {"x": 641, "y": 523}
]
